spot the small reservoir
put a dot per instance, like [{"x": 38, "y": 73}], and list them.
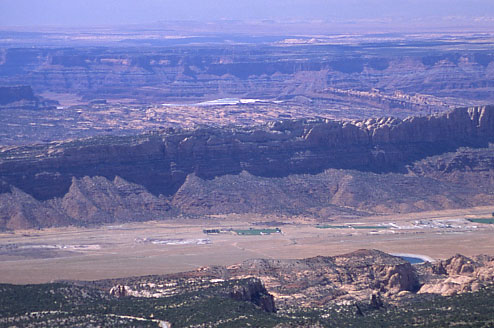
[{"x": 412, "y": 260}]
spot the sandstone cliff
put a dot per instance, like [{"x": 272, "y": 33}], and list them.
[
  {"x": 311, "y": 282},
  {"x": 319, "y": 166},
  {"x": 458, "y": 274},
  {"x": 161, "y": 161},
  {"x": 316, "y": 281},
  {"x": 353, "y": 278}
]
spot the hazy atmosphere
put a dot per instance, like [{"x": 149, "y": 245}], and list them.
[{"x": 95, "y": 12}]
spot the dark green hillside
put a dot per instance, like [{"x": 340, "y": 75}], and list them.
[{"x": 68, "y": 305}]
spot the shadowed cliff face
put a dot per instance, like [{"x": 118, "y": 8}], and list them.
[
  {"x": 318, "y": 168},
  {"x": 22, "y": 97},
  {"x": 12, "y": 94},
  {"x": 161, "y": 161}
]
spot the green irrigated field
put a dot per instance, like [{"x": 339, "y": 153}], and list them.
[
  {"x": 486, "y": 221},
  {"x": 333, "y": 227},
  {"x": 256, "y": 232}
]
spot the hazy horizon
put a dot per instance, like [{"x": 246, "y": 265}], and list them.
[{"x": 85, "y": 13}]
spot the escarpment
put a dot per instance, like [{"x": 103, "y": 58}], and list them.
[
  {"x": 161, "y": 161},
  {"x": 12, "y": 94},
  {"x": 22, "y": 97},
  {"x": 200, "y": 71},
  {"x": 376, "y": 166}
]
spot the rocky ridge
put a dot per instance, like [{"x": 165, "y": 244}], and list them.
[
  {"x": 316, "y": 281},
  {"x": 310, "y": 283},
  {"x": 89, "y": 201},
  {"x": 458, "y": 274},
  {"x": 357, "y": 277},
  {"x": 326, "y": 166},
  {"x": 366, "y": 288},
  {"x": 246, "y": 290}
]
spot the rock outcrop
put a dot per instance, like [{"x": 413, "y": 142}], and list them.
[
  {"x": 319, "y": 280},
  {"x": 9, "y": 95},
  {"x": 367, "y": 276},
  {"x": 466, "y": 167},
  {"x": 332, "y": 192},
  {"x": 118, "y": 291},
  {"x": 256, "y": 293},
  {"x": 369, "y": 279},
  {"x": 243, "y": 290},
  {"x": 19, "y": 210},
  {"x": 97, "y": 199},
  {"x": 457, "y": 274},
  {"x": 160, "y": 162},
  {"x": 89, "y": 201},
  {"x": 325, "y": 166}
]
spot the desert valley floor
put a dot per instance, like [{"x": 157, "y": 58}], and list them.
[{"x": 160, "y": 247}]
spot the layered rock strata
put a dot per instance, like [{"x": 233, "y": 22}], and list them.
[
  {"x": 181, "y": 73},
  {"x": 89, "y": 201},
  {"x": 303, "y": 163},
  {"x": 161, "y": 161}
]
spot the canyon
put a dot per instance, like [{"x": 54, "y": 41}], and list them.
[
  {"x": 109, "y": 83},
  {"x": 368, "y": 70},
  {"x": 174, "y": 176}
]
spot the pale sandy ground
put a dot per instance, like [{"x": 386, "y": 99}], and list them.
[{"x": 112, "y": 251}]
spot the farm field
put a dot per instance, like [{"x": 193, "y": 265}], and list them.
[
  {"x": 135, "y": 249},
  {"x": 485, "y": 221}
]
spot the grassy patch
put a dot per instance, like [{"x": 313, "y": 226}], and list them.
[
  {"x": 486, "y": 221},
  {"x": 332, "y": 227},
  {"x": 257, "y": 232}
]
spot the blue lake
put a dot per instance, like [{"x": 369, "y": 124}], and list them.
[{"x": 413, "y": 260}]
